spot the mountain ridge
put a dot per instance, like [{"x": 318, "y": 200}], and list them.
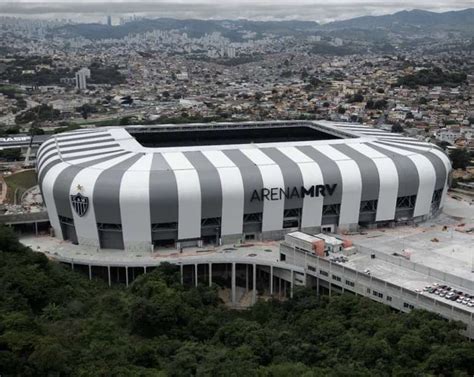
[
  {"x": 415, "y": 17},
  {"x": 403, "y": 21}
]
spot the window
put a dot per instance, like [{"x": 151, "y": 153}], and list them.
[
  {"x": 436, "y": 200},
  {"x": 437, "y": 196},
  {"x": 389, "y": 298},
  {"x": 331, "y": 209},
  {"x": 324, "y": 273},
  {"x": 291, "y": 218},
  {"x": 335, "y": 277},
  {"x": 311, "y": 268},
  {"x": 252, "y": 218},
  {"x": 408, "y": 306},
  {"x": 406, "y": 202},
  {"x": 377, "y": 294},
  {"x": 164, "y": 226},
  {"x": 290, "y": 224},
  {"x": 368, "y": 290},
  {"x": 350, "y": 283},
  {"x": 113, "y": 227},
  {"x": 282, "y": 257},
  {"x": 368, "y": 206},
  {"x": 213, "y": 221}
]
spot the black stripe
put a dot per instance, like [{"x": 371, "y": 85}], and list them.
[
  {"x": 209, "y": 180},
  {"x": 291, "y": 175},
  {"x": 408, "y": 178},
  {"x": 107, "y": 191}
]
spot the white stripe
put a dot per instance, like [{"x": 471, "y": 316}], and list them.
[
  {"x": 402, "y": 140},
  {"x": 44, "y": 156},
  {"x": 105, "y": 138},
  {"x": 388, "y": 176},
  {"x": 361, "y": 127},
  {"x": 75, "y": 134},
  {"x": 311, "y": 172},
  {"x": 80, "y": 158},
  {"x": 272, "y": 178},
  {"x": 68, "y": 136},
  {"x": 47, "y": 159},
  {"x": 74, "y": 156},
  {"x": 378, "y": 133},
  {"x": 189, "y": 195},
  {"x": 47, "y": 143},
  {"x": 47, "y": 191},
  {"x": 93, "y": 147},
  {"x": 232, "y": 192},
  {"x": 53, "y": 155},
  {"x": 351, "y": 185},
  {"x": 427, "y": 176},
  {"x": 126, "y": 140},
  {"x": 443, "y": 157},
  {"x": 135, "y": 205},
  {"x": 86, "y": 226}
]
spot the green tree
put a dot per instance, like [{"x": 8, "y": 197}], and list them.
[
  {"x": 258, "y": 96},
  {"x": 460, "y": 158},
  {"x": 397, "y": 128}
]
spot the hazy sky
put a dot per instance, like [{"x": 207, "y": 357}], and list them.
[{"x": 314, "y": 10}]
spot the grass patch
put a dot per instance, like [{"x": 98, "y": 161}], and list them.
[
  {"x": 18, "y": 183},
  {"x": 10, "y": 88}
]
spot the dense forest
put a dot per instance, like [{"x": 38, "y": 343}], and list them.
[
  {"x": 431, "y": 77},
  {"x": 54, "y": 322}
]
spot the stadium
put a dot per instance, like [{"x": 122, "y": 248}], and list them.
[{"x": 144, "y": 187}]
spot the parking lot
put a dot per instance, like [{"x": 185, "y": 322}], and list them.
[{"x": 449, "y": 293}]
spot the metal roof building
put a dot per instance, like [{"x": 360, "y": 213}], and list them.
[{"x": 138, "y": 187}]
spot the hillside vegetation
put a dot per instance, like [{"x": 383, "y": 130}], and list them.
[
  {"x": 430, "y": 77},
  {"x": 18, "y": 184},
  {"x": 54, "y": 322}
]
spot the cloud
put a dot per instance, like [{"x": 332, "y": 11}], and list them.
[{"x": 314, "y": 10}]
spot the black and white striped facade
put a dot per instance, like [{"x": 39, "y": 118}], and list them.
[{"x": 104, "y": 189}]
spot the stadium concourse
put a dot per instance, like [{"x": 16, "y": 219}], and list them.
[{"x": 140, "y": 188}]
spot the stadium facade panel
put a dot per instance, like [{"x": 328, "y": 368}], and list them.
[{"x": 111, "y": 188}]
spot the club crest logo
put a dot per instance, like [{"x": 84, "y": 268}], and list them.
[{"x": 79, "y": 202}]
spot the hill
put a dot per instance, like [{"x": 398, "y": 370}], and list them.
[
  {"x": 415, "y": 19},
  {"x": 401, "y": 22},
  {"x": 231, "y": 29}
]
